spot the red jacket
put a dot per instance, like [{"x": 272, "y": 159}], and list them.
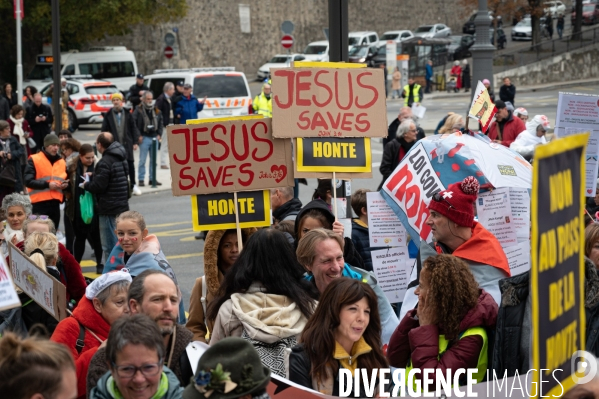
[
  {"x": 82, "y": 367},
  {"x": 410, "y": 341},
  {"x": 511, "y": 129}
]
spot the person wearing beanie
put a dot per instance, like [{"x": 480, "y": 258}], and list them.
[
  {"x": 521, "y": 113},
  {"x": 46, "y": 178},
  {"x": 534, "y": 135},
  {"x": 487, "y": 85},
  {"x": 456, "y": 232},
  {"x": 229, "y": 369},
  {"x": 506, "y": 127}
]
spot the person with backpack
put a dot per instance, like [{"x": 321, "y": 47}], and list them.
[
  {"x": 448, "y": 329},
  {"x": 105, "y": 301},
  {"x": 264, "y": 299}
]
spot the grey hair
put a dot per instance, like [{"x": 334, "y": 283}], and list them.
[
  {"x": 404, "y": 127},
  {"x": 17, "y": 200},
  {"x": 286, "y": 191},
  {"x": 138, "y": 329},
  {"x": 145, "y": 95},
  {"x": 168, "y": 86},
  {"x": 119, "y": 286},
  {"x": 48, "y": 221}
]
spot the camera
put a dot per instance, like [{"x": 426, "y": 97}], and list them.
[
  {"x": 40, "y": 116},
  {"x": 151, "y": 129}
]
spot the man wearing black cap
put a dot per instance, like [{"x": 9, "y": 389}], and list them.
[
  {"x": 137, "y": 90},
  {"x": 506, "y": 128},
  {"x": 177, "y": 97},
  {"x": 189, "y": 106}
]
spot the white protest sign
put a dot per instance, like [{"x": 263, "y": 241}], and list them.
[
  {"x": 520, "y": 204},
  {"x": 8, "y": 295},
  {"x": 418, "y": 110},
  {"x": 495, "y": 214},
  {"x": 392, "y": 268},
  {"x": 591, "y": 160},
  {"x": 518, "y": 257},
  {"x": 384, "y": 227}
]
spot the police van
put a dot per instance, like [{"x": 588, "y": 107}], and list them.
[
  {"x": 116, "y": 64},
  {"x": 227, "y": 91}
]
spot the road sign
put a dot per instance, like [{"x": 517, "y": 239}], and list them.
[
  {"x": 168, "y": 52},
  {"x": 169, "y": 39},
  {"x": 287, "y": 41},
  {"x": 287, "y": 27}
]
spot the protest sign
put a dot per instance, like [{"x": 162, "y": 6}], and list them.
[
  {"x": 44, "y": 289},
  {"x": 384, "y": 227},
  {"x": 520, "y": 204},
  {"x": 392, "y": 268},
  {"x": 495, "y": 214},
  {"x": 329, "y": 100},
  {"x": 518, "y": 257},
  {"x": 217, "y": 211},
  {"x": 482, "y": 108},
  {"x": 330, "y": 154},
  {"x": 224, "y": 155},
  {"x": 557, "y": 262},
  {"x": 8, "y": 295}
]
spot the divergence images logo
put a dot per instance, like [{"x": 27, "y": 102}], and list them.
[{"x": 585, "y": 366}]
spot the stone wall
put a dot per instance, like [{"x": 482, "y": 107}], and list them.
[
  {"x": 210, "y": 34},
  {"x": 575, "y": 65}
]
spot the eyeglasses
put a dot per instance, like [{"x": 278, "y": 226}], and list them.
[
  {"x": 413, "y": 130},
  {"x": 40, "y": 217},
  {"x": 148, "y": 370},
  {"x": 437, "y": 197}
]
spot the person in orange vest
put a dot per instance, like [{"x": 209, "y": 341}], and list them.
[{"x": 46, "y": 178}]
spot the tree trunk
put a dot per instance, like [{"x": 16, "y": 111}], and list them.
[
  {"x": 577, "y": 28},
  {"x": 536, "y": 10}
]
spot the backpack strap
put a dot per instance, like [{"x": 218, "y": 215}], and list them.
[
  {"x": 79, "y": 344},
  {"x": 204, "y": 293}
]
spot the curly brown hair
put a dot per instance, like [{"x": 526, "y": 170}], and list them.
[
  {"x": 452, "y": 291},
  {"x": 318, "y": 335}
]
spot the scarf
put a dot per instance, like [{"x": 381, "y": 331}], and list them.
[
  {"x": 113, "y": 390},
  {"x": 18, "y": 130},
  {"x": 145, "y": 109},
  {"x": 405, "y": 145},
  {"x": 5, "y": 142}
]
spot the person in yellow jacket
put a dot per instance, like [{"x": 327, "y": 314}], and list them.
[
  {"x": 46, "y": 178},
  {"x": 263, "y": 102},
  {"x": 412, "y": 93}
]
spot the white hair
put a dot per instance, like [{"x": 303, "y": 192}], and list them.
[{"x": 404, "y": 127}]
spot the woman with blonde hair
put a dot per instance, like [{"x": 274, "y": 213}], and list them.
[
  {"x": 453, "y": 123},
  {"x": 34, "y": 368}
]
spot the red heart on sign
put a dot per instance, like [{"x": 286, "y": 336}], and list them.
[
  {"x": 281, "y": 172},
  {"x": 589, "y": 191}
]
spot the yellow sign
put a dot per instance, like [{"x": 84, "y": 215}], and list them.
[
  {"x": 334, "y": 154},
  {"x": 482, "y": 107}
]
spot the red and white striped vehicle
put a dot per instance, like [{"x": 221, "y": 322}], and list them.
[{"x": 88, "y": 99}]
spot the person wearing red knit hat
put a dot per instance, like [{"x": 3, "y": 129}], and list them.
[{"x": 456, "y": 232}]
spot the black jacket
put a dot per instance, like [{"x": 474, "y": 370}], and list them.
[
  {"x": 507, "y": 93},
  {"x": 134, "y": 96},
  {"x": 287, "y": 211},
  {"x": 16, "y": 152},
  {"x": 110, "y": 181},
  {"x": 4, "y": 108},
  {"x": 40, "y": 129},
  {"x": 165, "y": 109},
  {"x": 361, "y": 241},
  {"x": 140, "y": 123},
  {"x": 30, "y": 181},
  {"x": 391, "y": 157},
  {"x": 392, "y": 132},
  {"x": 130, "y": 135},
  {"x": 351, "y": 256}
]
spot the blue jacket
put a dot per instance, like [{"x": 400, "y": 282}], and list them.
[
  {"x": 429, "y": 72},
  {"x": 188, "y": 108}
]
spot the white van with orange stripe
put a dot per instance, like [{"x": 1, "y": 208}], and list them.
[{"x": 227, "y": 91}]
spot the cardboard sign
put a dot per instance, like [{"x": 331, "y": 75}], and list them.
[
  {"x": 221, "y": 155},
  {"x": 217, "y": 211},
  {"x": 557, "y": 262},
  {"x": 44, "y": 289},
  {"x": 482, "y": 107},
  {"x": 332, "y": 100},
  {"x": 333, "y": 155},
  {"x": 8, "y": 295}
]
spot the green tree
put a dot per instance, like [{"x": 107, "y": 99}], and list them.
[{"x": 81, "y": 21}]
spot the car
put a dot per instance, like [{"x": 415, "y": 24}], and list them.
[
  {"x": 469, "y": 26},
  {"x": 89, "y": 99},
  {"x": 381, "y": 55},
  {"x": 436, "y": 30},
  {"x": 362, "y": 38},
  {"x": 590, "y": 14},
  {"x": 317, "y": 51},
  {"x": 522, "y": 30},
  {"x": 395, "y": 35},
  {"x": 363, "y": 54},
  {"x": 554, "y": 8},
  {"x": 227, "y": 90},
  {"x": 460, "y": 47},
  {"x": 278, "y": 61}
]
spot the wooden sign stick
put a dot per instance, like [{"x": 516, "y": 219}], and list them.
[
  {"x": 334, "y": 189},
  {"x": 239, "y": 240}
]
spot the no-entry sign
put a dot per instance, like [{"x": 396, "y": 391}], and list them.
[
  {"x": 287, "y": 41},
  {"x": 168, "y": 52}
]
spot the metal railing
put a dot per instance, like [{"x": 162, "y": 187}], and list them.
[{"x": 545, "y": 49}]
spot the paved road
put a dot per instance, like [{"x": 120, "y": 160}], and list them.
[{"x": 169, "y": 217}]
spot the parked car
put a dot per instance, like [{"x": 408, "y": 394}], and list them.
[
  {"x": 317, "y": 51},
  {"x": 381, "y": 55},
  {"x": 363, "y": 54},
  {"x": 460, "y": 47},
  {"x": 88, "y": 99},
  {"x": 522, "y": 30},
  {"x": 470, "y": 28},
  {"x": 395, "y": 35},
  {"x": 278, "y": 61},
  {"x": 554, "y": 8},
  {"x": 590, "y": 14},
  {"x": 430, "y": 31},
  {"x": 362, "y": 38}
]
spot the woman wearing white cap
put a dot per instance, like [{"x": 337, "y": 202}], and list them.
[
  {"x": 521, "y": 113},
  {"x": 104, "y": 302}
]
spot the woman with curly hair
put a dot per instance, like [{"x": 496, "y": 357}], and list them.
[
  {"x": 447, "y": 330},
  {"x": 344, "y": 332}
]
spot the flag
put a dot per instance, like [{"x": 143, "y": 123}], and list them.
[{"x": 482, "y": 107}]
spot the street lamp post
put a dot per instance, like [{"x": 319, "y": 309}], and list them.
[
  {"x": 483, "y": 50},
  {"x": 56, "y": 66}
]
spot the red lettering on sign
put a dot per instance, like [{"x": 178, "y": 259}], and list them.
[
  {"x": 346, "y": 124},
  {"x": 361, "y": 120},
  {"x": 325, "y": 87},
  {"x": 176, "y": 158},
  {"x": 412, "y": 201},
  {"x": 261, "y": 140},
  {"x": 375, "y": 95},
  {"x": 404, "y": 176},
  {"x": 226, "y": 175},
  {"x": 246, "y": 144},
  {"x": 185, "y": 177},
  {"x": 197, "y": 143},
  {"x": 245, "y": 170},
  {"x": 351, "y": 93},
  {"x": 302, "y": 86},
  {"x": 302, "y": 118},
  {"x": 220, "y": 142},
  {"x": 289, "y": 75},
  {"x": 318, "y": 121}
]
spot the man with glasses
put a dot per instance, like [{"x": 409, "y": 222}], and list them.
[
  {"x": 136, "y": 352},
  {"x": 153, "y": 293},
  {"x": 455, "y": 232},
  {"x": 396, "y": 149},
  {"x": 188, "y": 106}
]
